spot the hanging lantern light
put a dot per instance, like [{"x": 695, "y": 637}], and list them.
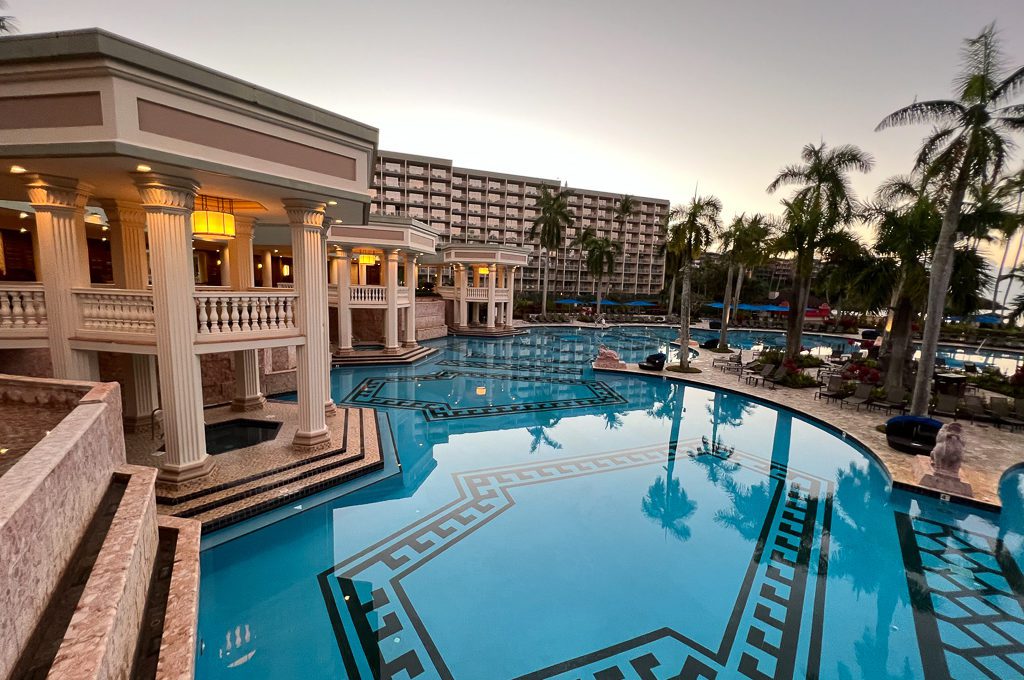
[
  {"x": 367, "y": 259},
  {"x": 213, "y": 218},
  {"x": 484, "y": 271}
]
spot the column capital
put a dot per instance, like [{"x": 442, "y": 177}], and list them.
[
  {"x": 343, "y": 253},
  {"x": 125, "y": 213},
  {"x": 303, "y": 212},
  {"x": 56, "y": 193},
  {"x": 244, "y": 226},
  {"x": 166, "y": 193},
  {"x": 392, "y": 255}
]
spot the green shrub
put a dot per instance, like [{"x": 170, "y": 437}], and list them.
[{"x": 799, "y": 380}]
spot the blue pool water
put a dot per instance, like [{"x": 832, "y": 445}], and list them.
[{"x": 550, "y": 522}]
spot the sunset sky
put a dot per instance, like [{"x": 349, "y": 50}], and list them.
[{"x": 651, "y": 98}]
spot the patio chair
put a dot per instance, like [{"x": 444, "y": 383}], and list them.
[
  {"x": 893, "y": 401},
  {"x": 945, "y": 405},
  {"x": 970, "y": 368},
  {"x": 837, "y": 355},
  {"x": 739, "y": 368},
  {"x": 775, "y": 378},
  {"x": 833, "y": 390},
  {"x": 1002, "y": 415},
  {"x": 753, "y": 377},
  {"x": 861, "y": 396},
  {"x": 1018, "y": 407},
  {"x": 724, "y": 361},
  {"x": 975, "y": 407},
  {"x": 655, "y": 362}
]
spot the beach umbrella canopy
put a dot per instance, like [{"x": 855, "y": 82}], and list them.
[
  {"x": 714, "y": 305},
  {"x": 570, "y": 302},
  {"x": 640, "y": 303}
]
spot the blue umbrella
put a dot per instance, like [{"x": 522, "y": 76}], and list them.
[
  {"x": 715, "y": 305},
  {"x": 640, "y": 303},
  {"x": 571, "y": 302},
  {"x": 609, "y": 303},
  {"x": 988, "y": 318}
]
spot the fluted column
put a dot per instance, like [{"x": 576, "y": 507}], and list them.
[
  {"x": 462, "y": 283},
  {"x": 492, "y": 280},
  {"x": 127, "y": 219},
  {"x": 306, "y": 219},
  {"x": 267, "y": 280},
  {"x": 344, "y": 309},
  {"x": 248, "y": 394},
  {"x": 169, "y": 202},
  {"x": 240, "y": 253},
  {"x": 411, "y": 276},
  {"x": 391, "y": 319},
  {"x": 248, "y": 391},
  {"x": 59, "y": 203},
  {"x": 511, "y": 297},
  {"x": 329, "y": 408}
]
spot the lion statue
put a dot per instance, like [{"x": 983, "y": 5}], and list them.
[{"x": 948, "y": 453}]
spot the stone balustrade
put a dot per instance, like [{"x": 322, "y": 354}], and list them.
[
  {"x": 22, "y": 306},
  {"x": 113, "y": 310},
  {"x": 368, "y": 296},
  {"x": 246, "y": 312}
]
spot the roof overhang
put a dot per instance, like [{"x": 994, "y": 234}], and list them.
[
  {"x": 481, "y": 253},
  {"x": 386, "y": 232}
]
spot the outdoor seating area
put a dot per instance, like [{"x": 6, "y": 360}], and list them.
[{"x": 1000, "y": 411}]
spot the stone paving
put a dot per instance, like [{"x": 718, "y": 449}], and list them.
[{"x": 990, "y": 451}]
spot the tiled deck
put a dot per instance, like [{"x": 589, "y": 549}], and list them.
[
  {"x": 254, "y": 479},
  {"x": 990, "y": 451}
]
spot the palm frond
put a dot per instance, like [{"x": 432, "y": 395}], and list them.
[{"x": 932, "y": 111}]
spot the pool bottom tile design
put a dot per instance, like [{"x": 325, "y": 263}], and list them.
[
  {"x": 380, "y": 634},
  {"x": 967, "y": 593}
]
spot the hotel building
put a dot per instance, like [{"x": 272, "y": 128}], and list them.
[{"x": 482, "y": 206}]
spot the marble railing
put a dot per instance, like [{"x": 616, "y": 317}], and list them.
[
  {"x": 245, "y": 312},
  {"x": 474, "y": 294},
  {"x": 22, "y": 306},
  {"x": 119, "y": 311},
  {"x": 368, "y": 295}
]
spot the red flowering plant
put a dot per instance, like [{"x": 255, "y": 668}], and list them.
[{"x": 863, "y": 373}]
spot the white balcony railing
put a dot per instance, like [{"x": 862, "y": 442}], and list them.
[
  {"x": 473, "y": 294},
  {"x": 246, "y": 312},
  {"x": 22, "y": 307},
  {"x": 114, "y": 310},
  {"x": 368, "y": 295}
]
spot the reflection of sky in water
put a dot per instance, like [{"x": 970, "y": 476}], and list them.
[{"x": 585, "y": 561}]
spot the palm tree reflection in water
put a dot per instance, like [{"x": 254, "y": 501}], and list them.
[{"x": 666, "y": 501}]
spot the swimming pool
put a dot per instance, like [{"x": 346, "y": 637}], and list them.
[{"x": 550, "y": 522}]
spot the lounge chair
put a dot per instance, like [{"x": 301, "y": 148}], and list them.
[
  {"x": 834, "y": 390},
  {"x": 975, "y": 407},
  {"x": 724, "y": 361},
  {"x": 709, "y": 344},
  {"x": 1001, "y": 413},
  {"x": 893, "y": 401},
  {"x": 970, "y": 368},
  {"x": 861, "y": 396},
  {"x": 775, "y": 378},
  {"x": 766, "y": 370},
  {"x": 739, "y": 368},
  {"x": 655, "y": 362},
  {"x": 1018, "y": 407},
  {"x": 945, "y": 405}
]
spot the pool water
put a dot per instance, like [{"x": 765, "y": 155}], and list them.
[{"x": 553, "y": 522}]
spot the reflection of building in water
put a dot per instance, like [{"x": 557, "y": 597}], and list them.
[{"x": 236, "y": 649}]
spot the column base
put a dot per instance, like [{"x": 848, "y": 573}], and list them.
[
  {"x": 329, "y": 408},
  {"x": 311, "y": 439},
  {"x": 177, "y": 474},
  {"x": 392, "y": 350},
  {"x": 250, "y": 403},
  {"x": 410, "y": 344},
  {"x": 344, "y": 351}
]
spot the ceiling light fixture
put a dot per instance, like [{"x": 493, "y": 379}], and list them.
[
  {"x": 214, "y": 218},
  {"x": 17, "y": 170},
  {"x": 142, "y": 167},
  {"x": 332, "y": 203}
]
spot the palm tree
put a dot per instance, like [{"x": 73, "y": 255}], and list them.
[
  {"x": 692, "y": 229},
  {"x": 600, "y": 257},
  {"x": 822, "y": 205},
  {"x": 969, "y": 145},
  {"x": 8, "y": 24},
  {"x": 667, "y": 504},
  {"x": 553, "y": 218},
  {"x": 743, "y": 244},
  {"x": 1011, "y": 188},
  {"x": 624, "y": 212},
  {"x": 672, "y": 263}
]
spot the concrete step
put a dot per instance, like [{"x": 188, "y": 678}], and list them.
[{"x": 379, "y": 358}]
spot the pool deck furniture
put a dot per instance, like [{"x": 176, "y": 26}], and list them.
[
  {"x": 912, "y": 434},
  {"x": 654, "y": 362},
  {"x": 974, "y": 407},
  {"x": 894, "y": 400},
  {"x": 945, "y": 405},
  {"x": 1002, "y": 415},
  {"x": 775, "y": 378},
  {"x": 766, "y": 371},
  {"x": 834, "y": 389},
  {"x": 861, "y": 396}
]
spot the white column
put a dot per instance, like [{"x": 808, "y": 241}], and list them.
[
  {"x": 332, "y": 271},
  {"x": 462, "y": 283},
  {"x": 127, "y": 220},
  {"x": 239, "y": 255},
  {"x": 329, "y": 408},
  {"x": 168, "y": 202},
  {"x": 391, "y": 319},
  {"x": 510, "y": 307},
  {"x": 248, "y": 392},
  {"x": 64, "y": 263},
  {"x": 410, "y": 312},
  {"x": 267, "y": 280},
  {"x": 344, "y": 308},
  {"x": 492, "y": 280},
  {"x": 306, "y": 218}
]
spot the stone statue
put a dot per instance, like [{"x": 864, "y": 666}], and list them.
[
  {"x": 948, "y": 454},
  {"x": 941, "y": 470},
  {"x": 608, "y": 358}
]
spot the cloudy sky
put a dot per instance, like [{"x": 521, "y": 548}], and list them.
[{"x": 649, "y": 97}]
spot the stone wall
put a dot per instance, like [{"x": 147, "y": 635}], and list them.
[
  {"x": 48, "y": 498},
  {"x": 430, "y": 318},
  {"x": 368, "y": 326},
  {"x": 33, "y": 362}
]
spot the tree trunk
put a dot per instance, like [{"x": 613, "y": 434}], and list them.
[
  {"x": 740, "y": 275},
  {"x": 684, "y": 319},
  {"x": 902, "y": 322},
  {"x": 598, "y": 312},
  {"x": 795, "y": 320},
  {"x": 723, "y": 334},
  {"x": 672, "y": 294},
  {"x": 938, "y": 286},
  {"x": 544, "y": 287}
]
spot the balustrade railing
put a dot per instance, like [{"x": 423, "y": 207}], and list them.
[
  {"x": 245, "y": 311},
  {"x": 22, "y": 305},
  {"x": 368, "y": 294},
  {"x": 403, "y": 296},
  {"x": 121, "y": 311}
]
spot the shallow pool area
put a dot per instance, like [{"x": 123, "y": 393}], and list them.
[{"x": 549, "y": 522}]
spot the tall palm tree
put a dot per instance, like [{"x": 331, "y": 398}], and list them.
[
  {"x": 553, "y": 218},
  {"x": 970, "y": 143},
  {"x": 822, "y": 206},
  {"x": 672, "y": 263},
  {"x": 743, "y": 244},
  {"x": 600, "y": 253},
  {"x": 8, "y": 24},
  {"x": 624, "y": 212},
  {"x": 692, "y": 229},
  {"x": 1011, "y": 188}
]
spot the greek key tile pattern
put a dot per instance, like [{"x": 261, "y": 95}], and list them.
[
  {"x": 368, "y": 393},
  {"x": 967, "y": 592},
  {"x": 379, "y": 633},
  {"x": 536, "y": 367}
]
